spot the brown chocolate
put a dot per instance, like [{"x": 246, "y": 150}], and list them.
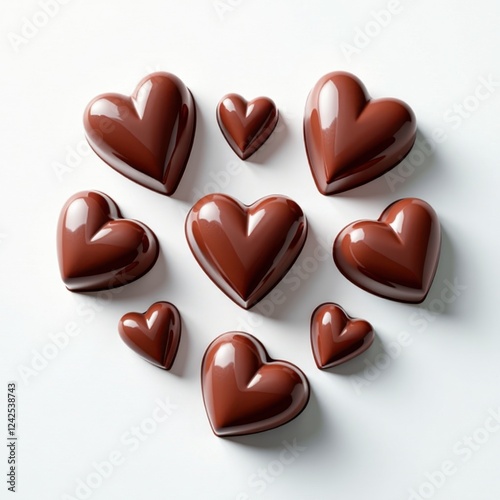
[
  {"x": 97, "y": 249},
  {"x": 351, "y": 139},
  {"x": 154, "y": 335},
  {"x": 395, "y": 257},
  {"x": 146, "y": 137},
  {"x": 245, "y": 250},
  {"x": 336, "y": 337},
  {"x": 246, "y": 125},
  {"x": 245, "y": 391}
]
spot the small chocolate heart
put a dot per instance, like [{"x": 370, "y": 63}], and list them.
[
  {"x": 146, "y": 137},
  {"x": 351, "y": 139},
  {"x": 97, "y": 249},
  {"x": 336, "y": 337},
  {"x": 154, "y": 335},
  {"x": 246, "y": 125},
  {"x": 245, "y": 391},
  {"x": 395, "y": 257},
  {"x": 245, "y": 250}
]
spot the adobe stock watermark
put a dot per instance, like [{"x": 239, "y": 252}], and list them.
[
  {"x": 301, "y": 271},
  {"x": 465, "y": 448},
  {"x": 220, "y": 179},
  {"x": 260, "y": 480},
  {"x": 87, "y": 310},
  {"x": 129, "y": 442},
  {"x": 376, "y": 365},
  {"x": 74, "y": 156},
  {"x": 363, "y": 36},
  {"x": 419, "y": 154},
  {"x": 453, "y": 117},
  {"x": 285, "y": 116},
  {"x": 463, "y": 110},
  {"x": 76, "y": 153},
  {"x": 32, "y": 25},
  {"x": 40, "y": 358},
  {"x": 380, "y": 362},
  {"x": 424, "y": 316},
  {"x": 224, "y": 7}
]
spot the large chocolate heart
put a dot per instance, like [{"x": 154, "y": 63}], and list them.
[
  {"x": 246, "y": 125},
  {"x": 154, "y": 335},
  {"x": 336, "y": 337},
  {"x": 395, "y": 257},
  {"x": 246, "y": 250},
  {"x": 97, "y": 249},
  {"x": 146, "y": 137},
  {"x": 351, "y": 139},
  {"x": 245, "y": 391}
]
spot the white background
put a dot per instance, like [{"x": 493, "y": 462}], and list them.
[{"x": 367, "y": 433}]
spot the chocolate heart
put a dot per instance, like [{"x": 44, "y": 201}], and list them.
[
  {"x": 336, "y": 337},
  {"x": 97, "y": 249},
  {"x": 245, "y": 391},
  {"x": 246, "y": 250},
  {"x": 154, "y": 335},
  {"x": 246, "y": 125},
  {"x": 351, "y": 139},
  {"x": 395, "y": 257},
  {"x": 146, "y": 137}
]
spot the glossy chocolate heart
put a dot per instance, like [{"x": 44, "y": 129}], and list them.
[
  {"x": 146, "y": 137},
  {"x": 395, "y": 257},
  {"x": 245, "y": 391},
  {"x": 246, "y": 125},
  {"x": 97, "y": 249},
  {"x": 246, "y": 250},
  {"x": 154, "y": 335},
  {"x": 336, "y": 337},
  {"x": 351, "y": 139}
]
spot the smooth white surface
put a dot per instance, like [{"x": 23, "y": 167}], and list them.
[{"x": 378, "y": 442}]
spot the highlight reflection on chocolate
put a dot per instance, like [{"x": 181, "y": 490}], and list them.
[
  {"x": 246, "y": 125},
  {"x": 97, "y": 249},
  {"x": 245, "y": 391},
  {"x": 146, "y": 137},
  {"x": 245, "y": 250},
  {"x": 351, "y": 139},
  {"x": 395, "y": 257}
]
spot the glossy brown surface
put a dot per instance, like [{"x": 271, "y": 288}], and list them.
[
  {"x": 246, "y": 125},
  {"x": 336, "y": 337},
  {"x": 97, "y": 249},
  {"x": 245, "y": 391},
  {"x": 154, "y": 335},
  {"x": 395, "y": 257},
  {"x": 351, "y": 139},
  {"x": 245, "y": 250},
  {"x": 146, "y": 137}
]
